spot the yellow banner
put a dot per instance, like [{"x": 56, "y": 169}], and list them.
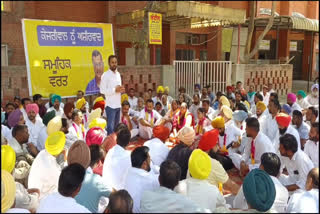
[
  {"x": 226, "y": 39},
  {"x": 155, "y": 28},
  {"x": 64, "y": 57}
]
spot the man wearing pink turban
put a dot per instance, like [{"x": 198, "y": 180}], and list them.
[
  {"x": 291, "y": 101},
  {"x": 34, "y": 124},
  {"x": 95, "y": 135}
]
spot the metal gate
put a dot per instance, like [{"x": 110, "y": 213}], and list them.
[{"x": 216, "y": 74}]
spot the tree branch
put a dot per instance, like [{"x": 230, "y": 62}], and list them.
[{"x": 266, "y": 30}]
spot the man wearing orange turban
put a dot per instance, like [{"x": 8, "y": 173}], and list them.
[
  {"x": 283, "y": 121},
  {"x": 158, "y": 150}
]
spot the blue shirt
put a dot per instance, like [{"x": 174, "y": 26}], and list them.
[
  {"x": 92, "y": 87},
  {"x": 92, "y": 190}
]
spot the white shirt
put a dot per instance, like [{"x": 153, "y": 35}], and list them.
[
  {"x": 301, "y": 164},
  {"x": 137, "y": 181},
  {"x": 76, "y": 131},
  {"x": 303, "y": 130},
  {"x": 295, "y": 106},
  {"x": 266, "y": 98},
  {"x": 7, "y": 133},
  {"x": 290, "y": 130},
  {"x": 34, "y": 130},
  {"x": 280, "y": 201},
  {"x": 194, "y": 110},
  {"x": 109, "y": 81},
  {"x": 312, "y": 101},
  {"x": 262, "y": 144},
  {"x": 57, "y": 203},
  {"x": 60, "y": 112},
  {"x": 17, "y": 210},
  {"x": 304, "y": 202},
  {"x": 201, "y": 192},
  {"x": 212, "y": 113},
  {"x": 271, "y": 128},
  {"x": 164, "y": 200},
  {"x": 311, "y": 148},
  {"x": 42, "y": 137},
  {"x": 158, "y": 151},
  {"x": 157, "y": 117},
  {"x": 17, "y": 147},
  {"x": 263, "y": 121},
  {"x": 133, "y": 102},
  {"x": 116, "y": 166},
  {"x": 303, "y": 103},
  {"x": 44, "y": 174}
]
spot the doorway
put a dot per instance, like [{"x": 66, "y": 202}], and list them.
[{"x": 297, "y": 60}]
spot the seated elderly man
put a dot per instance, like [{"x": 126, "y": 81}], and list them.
[
  {"x": 313, "y": 98},
  {"x": 306, "y": 201}
]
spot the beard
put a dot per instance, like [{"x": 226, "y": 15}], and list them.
[
  {"x": 221, "y": 134},
  {"x": 282, "y": 131},
  {"x": 314, "y": 139}
]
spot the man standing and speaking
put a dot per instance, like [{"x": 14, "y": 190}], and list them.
[{"x": 111, "y": 87}]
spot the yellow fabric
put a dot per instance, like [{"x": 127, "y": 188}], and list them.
[
  {"x": 217, "y": 174},
  {"x": 98, "y": 122},
  {"x": 94, "y": 114},
  {"x": 247, "y": 104},
  {"x": 8, "y": 191},
  {"x": 226, "y": 39},
  {"x": 160, "y": 89},
  {"x": 224, "y": 101},
  {"x": 124, "y": 97},
  {"x": 260, "y": 105},
  {"x": 218, "y": 122},
  {"x": 98, "y": 99},
  {"x": 227, "y": 111},
  {"x": 55, "y": 143},
  {"x": 199, "y": 164},
  {"x": 54, "y": 125},
  {"x": 147, "y": 118},
  {"x": 166, "y": 89},
  {"x": 80, "y": 103},
  {"x": 8, "y": 158}
]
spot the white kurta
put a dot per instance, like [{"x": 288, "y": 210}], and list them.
[
  {"x": 6, "y": 132},
  {"x": 264, "y": 117},
  {"x": 164, "y": 200},
  {"x": 43, "y": 135},
  {"x": 271, "y": 128},
  {"x": 194, "y": 111},
  {"x": 262, "y": 145},
  {"x": 158, "y": 151},
  {"x": 266, "y": 98},
  {"x": 312, "y": 101},
  {"x": 48, "y": 106},
  {"x": 34, "y": 130},
  {"x": 133, "y": 102},
  {"x": 77, "y": 132},
  {"x": 231, "y": 134},
  {"x": 303, "y": 103},
  {"x": 304, "y": 202},
  {"x": 201, "y": 192},
  {"x": 60, "y": 112},
  {"x": 280, "y": 201},
  {"x": 298, "y": 168},
  {"x": 57, "y": 203},
  {"x": 115, "y": 167},
  {"x": 44, "y": 174},
  {"x": 311, "y": 148},
  {"x": 144, "y": 131},
  {"x": 137, "y": 181}
]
